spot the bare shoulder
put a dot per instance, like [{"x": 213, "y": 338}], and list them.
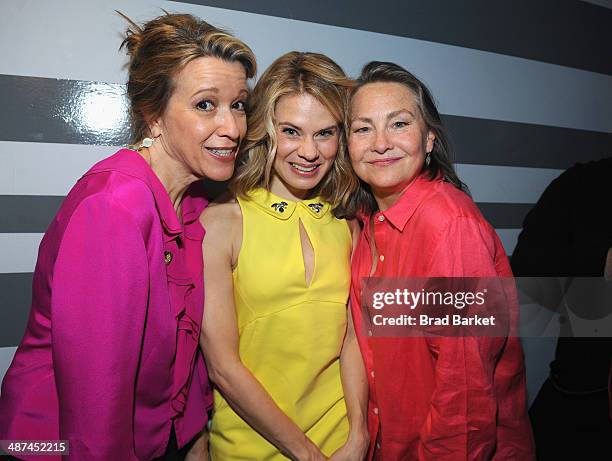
[
  {"x": 222, "y": 221},
  {"x": 221, "y": 215}
]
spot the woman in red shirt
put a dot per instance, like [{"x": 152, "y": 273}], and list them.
[{"x": 442, "y": 398}]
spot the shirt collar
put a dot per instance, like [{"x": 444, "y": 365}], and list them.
[
  {"x": 283, "y": 208},
  {"x": 405, "y": 206},
  {"x": 131, "y": 163}
]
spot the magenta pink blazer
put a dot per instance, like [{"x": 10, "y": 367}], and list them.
[{"x": 110, "y": 356}]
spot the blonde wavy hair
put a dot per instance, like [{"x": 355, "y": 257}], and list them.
[{"x": 296, "y": 73}]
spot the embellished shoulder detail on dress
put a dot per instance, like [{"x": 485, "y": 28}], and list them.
[
  {"x": 272, "y": 204},
  {"x": 280, "y": 206},
  {"x": 317, "y": 207},
  {"x": 283, "y": 208}
]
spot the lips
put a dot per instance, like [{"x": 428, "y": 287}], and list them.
[
  {"x": 382, "y": 162},
  {"x": 304, "y": 170},
  {"x": 222, "y": 153}
]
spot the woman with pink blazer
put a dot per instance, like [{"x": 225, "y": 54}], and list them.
[{"x": 109, "y": 360}]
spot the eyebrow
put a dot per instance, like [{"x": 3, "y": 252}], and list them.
[
  {"x": 395, "y": 113},
  {"x": 214, "y": 89},
  {"x": 331, "y": 127},
  {"x": 398, "y": 112}
]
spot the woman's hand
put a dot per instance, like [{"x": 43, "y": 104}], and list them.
[
  {"x": 355, "y": 448},
  {"x": 311, "y": 453}
]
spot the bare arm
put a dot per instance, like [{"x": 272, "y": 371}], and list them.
[
  {"x": 355, "y": 385},
  {"x": 219, "y": 340}
]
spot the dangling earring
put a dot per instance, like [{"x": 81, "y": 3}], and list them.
[
  {"x": 146, "y": 142},
  {"x": 428, "y": 159}
]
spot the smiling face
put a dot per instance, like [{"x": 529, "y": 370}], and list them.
[
  {"x": 307, "y": 143},
  {"x": 199, "y": 133},
  {"x": 388, "y": 139}
]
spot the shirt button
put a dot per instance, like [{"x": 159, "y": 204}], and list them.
[
  {"x": 382, "y": 258},
  {"x": 378, "y": 445},
  {"x": 381, "y": 218},
  {"x": 372, "y": 373},
  {"x": 167, "y": 257},
  {"x": 369, "y": 332},
  {"x": 375, "y": 410}
]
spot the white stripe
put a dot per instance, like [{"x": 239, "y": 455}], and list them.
[
  {"x": 52, "y": 169},
  {"x": 19, "y": 252},
  {"x": 506, "y": 184},
  {"x": 465, "y": 81},
  {"x": 6, "y": 357},
  {"x": 30, "y": 168},
  {"x": 509, "y": 237}
]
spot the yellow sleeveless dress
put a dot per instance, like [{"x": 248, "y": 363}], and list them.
[{"x": 291, "y": 334}]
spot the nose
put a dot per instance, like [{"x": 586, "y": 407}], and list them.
[
  {"x": 308, "y": 150},
  {"x": 381, "y": 142},
  {"x": 227, "y": 125}
]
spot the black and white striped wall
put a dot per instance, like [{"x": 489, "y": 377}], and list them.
[{"x": 525, "y": 88}]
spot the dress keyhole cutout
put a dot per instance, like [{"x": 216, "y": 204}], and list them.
[{"x": 307, "y": 254}]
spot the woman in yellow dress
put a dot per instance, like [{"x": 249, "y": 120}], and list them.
[{"x": 279, "y": 345}]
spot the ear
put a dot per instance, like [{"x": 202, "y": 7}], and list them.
[
  {"x": 431, "y": 137},
  {"x": 155, "y": 127}
]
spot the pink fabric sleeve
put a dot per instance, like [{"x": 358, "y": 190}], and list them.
[
  {"x": 463, "y": 419},
  {"x": 99, "y": 304}
]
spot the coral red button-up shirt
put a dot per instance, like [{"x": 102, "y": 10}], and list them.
[{"x": 443, "y": 398}]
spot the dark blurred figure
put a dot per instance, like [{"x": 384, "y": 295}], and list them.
[{"x": 569, "y": 234}]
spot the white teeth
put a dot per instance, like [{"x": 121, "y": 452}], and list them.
[
  {"x": 222, "y": 152},
  {"x": 303, "y": 168}
]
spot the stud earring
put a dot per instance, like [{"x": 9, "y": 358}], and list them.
[{"x": 146, "y": 142}]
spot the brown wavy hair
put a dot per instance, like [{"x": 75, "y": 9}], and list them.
[
  {"x": 296, "y": 73},
  {"x": 159, "y": 49},
  {"x": 440, "y": 157}
]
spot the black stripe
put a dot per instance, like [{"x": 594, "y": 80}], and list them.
[
  {"x": 47, "y": 110},
  {"x": 568, "y": 32},
  {"x": 34, "y": 213},
  {"x": 494, "y": 142},
  {"x": 15, "y": 303},
  {"x": 505, "y": 215},
  {"x": 37, "y": 109},
  {"x": 27, "y": 213}
]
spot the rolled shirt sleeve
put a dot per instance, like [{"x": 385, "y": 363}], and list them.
[{"x": 478, "y": 406}]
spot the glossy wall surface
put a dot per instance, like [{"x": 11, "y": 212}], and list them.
[{"x": 525, "y": 88}]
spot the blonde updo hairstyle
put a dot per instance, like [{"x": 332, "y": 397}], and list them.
[
  {"x": 295, "y": 73},
  {"x": 159, "y": 49}
]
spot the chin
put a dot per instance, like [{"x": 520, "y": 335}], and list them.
[
  {"x": 387, "y": 185},
  {"x": 217, "y": 174},
  {"x": 304, "y": 186}
]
